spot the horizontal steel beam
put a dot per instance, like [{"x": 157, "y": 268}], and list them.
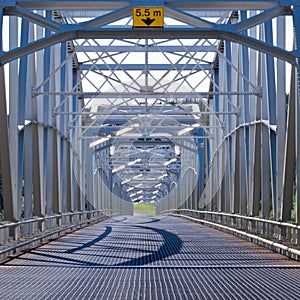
[
  {"x": 153, "y": 142},
  {"x": 128, "y": 116},
  {"x": 224, "y": 4},
  {"x": 151, "y": 95},
  {"x": 143, "y": 48},
  {"x": 200, "y": 4},
  {"x": 150, "y": 167},
  {"x": 130, "y": 112},
  {"x": 140, "y": 128},
  {"x": 143, "y": 67},
  {"x": 103, "y": 33},
  {"x": 156, "y": 136},
  {"x": 73, "y": 4}
]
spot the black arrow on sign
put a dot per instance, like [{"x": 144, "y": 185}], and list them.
[{"x": 148, "y": 21}]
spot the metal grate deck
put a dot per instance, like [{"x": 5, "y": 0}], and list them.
[{"x": 150, "y": 258}]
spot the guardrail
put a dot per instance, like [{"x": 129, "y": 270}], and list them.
[
  {"x": 281, "y": 237},
  {"x": 18, "y": 236}
]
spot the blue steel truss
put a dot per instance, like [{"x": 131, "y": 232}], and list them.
[{"x": 97, "y": 115}]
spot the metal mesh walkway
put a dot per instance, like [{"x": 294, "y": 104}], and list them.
[{"x": 149, "y": 258}]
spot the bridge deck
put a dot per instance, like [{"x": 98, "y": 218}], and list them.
[{"x": 149, "y": 258}]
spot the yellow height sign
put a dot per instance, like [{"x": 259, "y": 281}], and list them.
[{"x": 149, "y": 17}]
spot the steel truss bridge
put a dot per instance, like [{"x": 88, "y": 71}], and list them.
[{"x": 191, "y": 106}]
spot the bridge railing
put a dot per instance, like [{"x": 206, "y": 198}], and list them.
[
  {"x": 270, "y": 233},
  {"x": 18, "y": 236}
]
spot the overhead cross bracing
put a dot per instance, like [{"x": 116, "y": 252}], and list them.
[{"x": 201, "y": 113}]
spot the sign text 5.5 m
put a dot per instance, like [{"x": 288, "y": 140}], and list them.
[{"x": 148, "y": 17}]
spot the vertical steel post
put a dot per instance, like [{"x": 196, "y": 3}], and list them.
[
  {"x": 201, "y": 172},
  {"x": 244, "y": 145},
  {"x": 280, "y": 116},
  {"x": 235, "y": 152},
  {"x": 23, "y": 87},
  {"x": 216, "y": 196},
  {"x": 271, "y": 86},
  {"x": 48, "y": 130},
  {"x": 61, "y": 138},
  {"x": 10, "y": 213},
  {"x": 38, "y": 138},
  {"x": 228, "y": 108},
  {"x": 265, "y": 146},
  {"x": 257, "y": 147},
  {"x": 296, "y": 19},
  {"x": 289, "y": 154},
  {"x": 254, "y": 131},
  {"x": 13, "y": 117}
]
